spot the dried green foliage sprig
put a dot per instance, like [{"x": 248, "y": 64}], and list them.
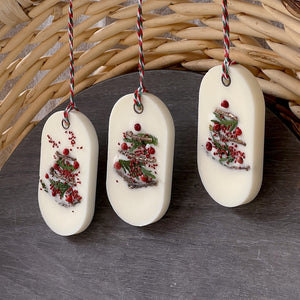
[
  {"x": 61, "y": 186},
  {"x": 231, "y": 123},
  {"x": 125, "y": 164}
]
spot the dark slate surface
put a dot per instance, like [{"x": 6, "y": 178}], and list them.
[{"x": 199, "y": 250}]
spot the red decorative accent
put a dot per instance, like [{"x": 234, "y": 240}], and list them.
[
  {"x": 76, "y": 164},
  {"x": 225, "y": 104},
  {"x": 46, "y": 175},
  {"x": 69, "y": 199},
  {"x": 238, "y": 131},
  {"x": 217, "y": 127},
  {"x": 151, "y": 150},
  {"x": 144, "y": 178},
  {"x": 66, "y": 151},
  {"x": 208, "y": 146},
  {"x": 72, "y": 138},
  {"x": 117, "y": 165},
  {"x": 51, "y": 141},
  {"x": 137, "y": 127},
  {"x": 124, "y": 146},
  {"x": 56, "y": 166},
  {"x": 240, "y": 160}
]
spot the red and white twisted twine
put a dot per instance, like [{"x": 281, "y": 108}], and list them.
[
  {"x": 226, "y": 31},
  {"x": 141, "y": 65},
  {"x": 71, "y": 104}
]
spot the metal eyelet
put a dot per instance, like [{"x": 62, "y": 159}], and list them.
[
  {"x": 138, "y": 109},
  {"x": 226, "y": 82},
  {"x": 65, "y": 124}
]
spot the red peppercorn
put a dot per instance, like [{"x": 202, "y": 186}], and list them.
[
  {"x": 69, "y": 199},
  {"x": 66, "y": 151},
  {"x": 208, "y": 146},
  {"x": 151, "y": 150},
  {"x": 53, "y": 193},
  {"x": 240, "y": 160},
  {"x": 238, "y": 131},
  {"x": 143, "y": 178},
  {"x": 124, "y": 146},
  {"x": 46, "y": 175},
  {"x": 117, "y": 165},
  {"x": 225, "y": 104},
  {"x": 76, "y": 164},
  {"x": 56, "y": 166},
  {"x": 217, "y": 127},
  {"x": 137, "y": 127}
]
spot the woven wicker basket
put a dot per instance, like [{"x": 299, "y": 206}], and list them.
[{"x": 265, "y": 38}]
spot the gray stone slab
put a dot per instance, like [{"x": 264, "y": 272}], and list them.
[{"x": 199, "y": 250}]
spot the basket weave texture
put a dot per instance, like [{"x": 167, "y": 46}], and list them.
[{"x": 265, "y": 38}]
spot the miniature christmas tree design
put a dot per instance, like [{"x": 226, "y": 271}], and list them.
[
  {"x": 225, "y": 143},
  {"x": 136, "y": 163},
  {"x": 62, "y": 179}
]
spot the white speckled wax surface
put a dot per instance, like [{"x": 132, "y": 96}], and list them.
[
  {"x": 232, "y": 187},
  {"x": 84, "y": 148},
  {"x": 141, "y": 206}
]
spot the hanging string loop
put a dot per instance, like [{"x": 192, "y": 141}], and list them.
[
  {"x": 71, "y": 105},
  {"x": 226, "y": 39},
  {"x": 141, "y": 65}
]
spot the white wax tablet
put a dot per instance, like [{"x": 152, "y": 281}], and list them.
[
  {"x": 68, "y": 173},
  {"x": 140, "y": 160},
  {"x": 231, "y": 124}
]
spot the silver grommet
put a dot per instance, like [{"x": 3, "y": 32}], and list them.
[
  {"x": 138, "y": 109},
  {"x": 65, "y": 124},
  {"x": 226, "y": 82}
]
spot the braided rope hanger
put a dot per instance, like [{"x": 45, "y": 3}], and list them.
[
  {"x": 141, "y": 65},
  {"x": 226, "y": 39},
  {"x": 71, "y": 105}
]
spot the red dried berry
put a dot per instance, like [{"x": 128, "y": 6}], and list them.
[
  {"x": 117, "y": 165},
  {"x": 53, "y": 193},
  {"x": 151, "y": 150},
  {"x": 76, "y": 164},
  {"x": 46, "y": 175},
  {"x": 217, "y": 127},
  {"x": 137, "y": 127},
  {"x": 124, "y": 146},
  {"x": 208, "y": 146},
  {"x": 56, "y": 166},
  {"x": 143, "y": 178},
  {"x": 69, "y": 199},
  {"x": 240, "y": 160},
  {"x": 66, "y": 151},
  {"x": 238, "y": 131},
  {"x": 225, "y": 104}
]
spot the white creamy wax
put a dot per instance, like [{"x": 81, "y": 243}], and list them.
[
  {"x": 68, "y": 173},
  {"x": 140, "y": 160},
  {"x": 231, "y": 124}
]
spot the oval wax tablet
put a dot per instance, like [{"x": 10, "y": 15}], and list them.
[
  {"x": 140, "y": 160},
  {"x": 68, "y": 173},
  {"x": 231, "y": 122}
]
